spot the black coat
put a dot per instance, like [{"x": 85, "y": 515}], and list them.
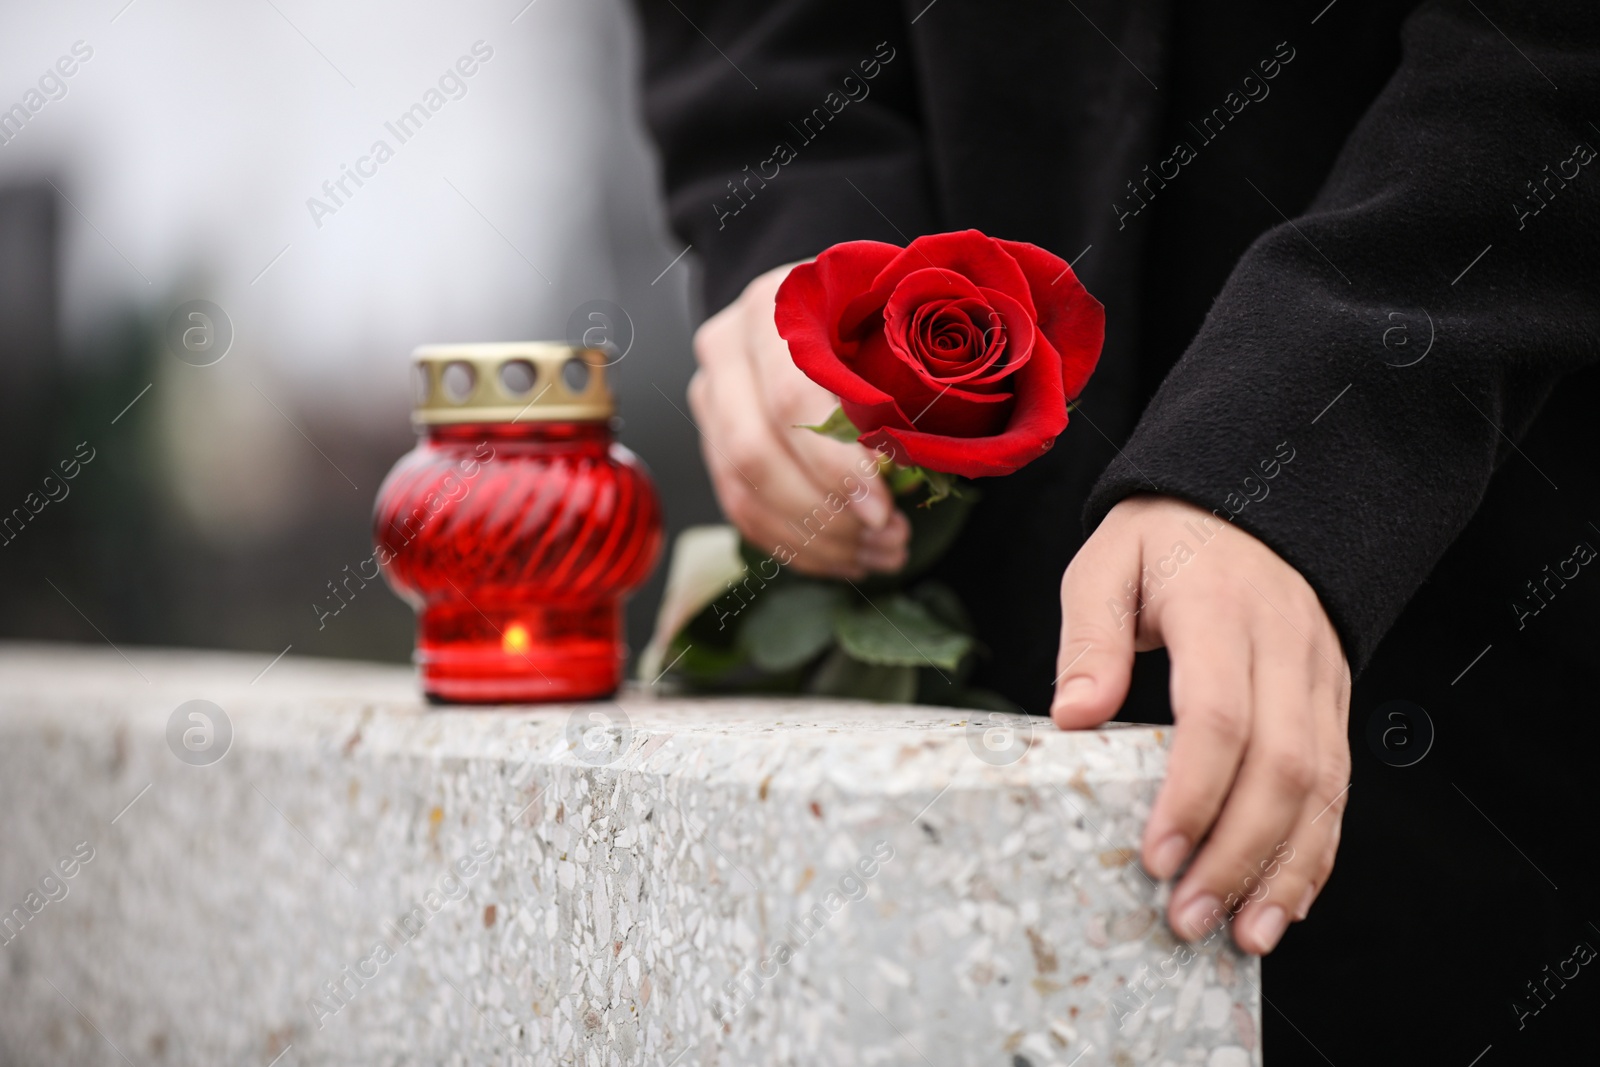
[{"x": 1363, "y": 234}]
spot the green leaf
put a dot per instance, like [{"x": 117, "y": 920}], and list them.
[
  {"x": 789, "y": 625},
  {"x": 837, "y": 426},
  {"x": 896, "y": 631},
  {"x": 701, "y": 663},
  {"x": 944, "y": 603},
  {"x": 843, "y": 676}
]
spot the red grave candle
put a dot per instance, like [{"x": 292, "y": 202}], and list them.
[{"x": 516, "y": 525}]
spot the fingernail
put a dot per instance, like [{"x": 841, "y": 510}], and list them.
[
  {"x": 1192, "y": 919},
  {"x": 1074, "y": 691},
  {"x": 1305, "y": 902},
  {"x": 1267, "y": 926},
  {"x": 1166, "y": 856}
]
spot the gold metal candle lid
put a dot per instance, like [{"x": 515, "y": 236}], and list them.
[{"x": 519, "y": 381}]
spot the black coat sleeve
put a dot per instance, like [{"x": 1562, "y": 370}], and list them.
[
  {"x": 1462, "y": 213},
  {"x": 784, "y": 128}
]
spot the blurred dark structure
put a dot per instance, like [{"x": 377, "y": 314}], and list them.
[{"x": 116, "y": 559}]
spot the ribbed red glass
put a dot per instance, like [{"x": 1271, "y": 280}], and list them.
[{"x": 516, "y": 544}]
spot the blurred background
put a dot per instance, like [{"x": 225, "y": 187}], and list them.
[{"x": 157, "y": 152}]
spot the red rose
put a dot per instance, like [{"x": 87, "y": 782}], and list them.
[{"x": 958, "y": 354}]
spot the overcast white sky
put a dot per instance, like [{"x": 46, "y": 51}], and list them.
[{"x": 193, "y": 137}]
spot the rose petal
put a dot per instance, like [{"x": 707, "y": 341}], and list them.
[
  {"x": 957, "y": 413},
  {"x": 981, "y": 419},
  {"x": 833, "y": 313},
  {"x": 911, "y": 294},
  {"x": 947, "y": 329},
  {"x": 1036, "y": 421},
  {"x": 809, "y": 305},
  {"x": 921, "y": 290},
  {"x": 1074, "y": 321},
  {"x": 1014, "y": 339},
  {"x": 1017, "y": 334},
  {"x": 967, "y": 255},
  {"x": 955, "y": 321},
  {"x": 914, "y": 404},
  {"x": 956, "y": 364}
]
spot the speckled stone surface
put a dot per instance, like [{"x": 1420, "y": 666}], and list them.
[{"x": 363, "y": 879}]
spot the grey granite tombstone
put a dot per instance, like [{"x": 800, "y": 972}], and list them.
[{"x": 205, "y": 862}]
